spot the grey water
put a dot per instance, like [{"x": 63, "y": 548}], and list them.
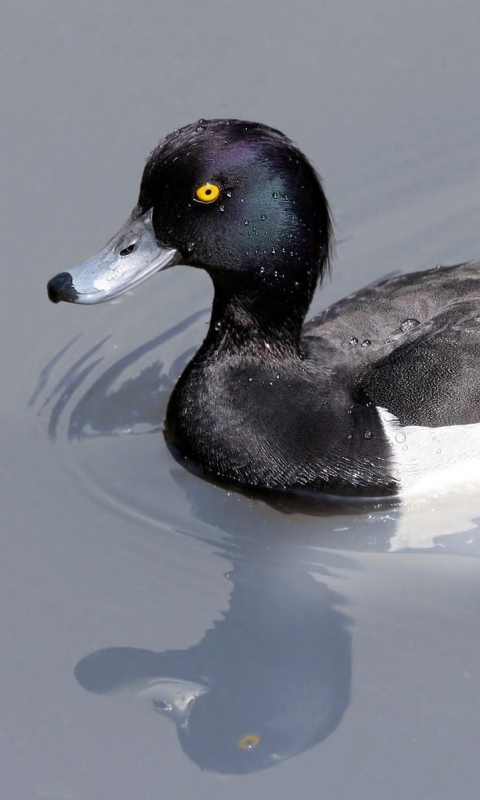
[{"x": 162, "y": 637}]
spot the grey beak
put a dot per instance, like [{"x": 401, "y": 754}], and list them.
[{"x": 127, "y": 260}]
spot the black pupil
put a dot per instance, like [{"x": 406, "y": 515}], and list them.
[
  {"x": 208, "y": 191},
  {"x": 127, "y": 250}
]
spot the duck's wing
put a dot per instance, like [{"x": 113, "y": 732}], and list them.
[
  {"x": 432, "y": 378},
  {"x": 380, "y": 315}
]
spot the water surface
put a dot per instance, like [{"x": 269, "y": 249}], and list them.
[{"x": 335, "y": 655}]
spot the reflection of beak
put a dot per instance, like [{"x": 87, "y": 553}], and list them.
[
  {"x": 173, "y": 697},
  {"x": 128, "y": 259}
]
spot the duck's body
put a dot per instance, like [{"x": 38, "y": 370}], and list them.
[
  {"x": 377, "y": 374},
  {"x": 355, "y": 402}
]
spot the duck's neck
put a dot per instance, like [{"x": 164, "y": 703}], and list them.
[{"x": 255, "y": 317}]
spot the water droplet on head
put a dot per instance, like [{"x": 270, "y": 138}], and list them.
[
  {"x": 221, "y": 208},
  {"x": 263, "y": 216},
  {"x": 246, "y": 222},
  {"x": 274, "y": 195},
  {"x": 229, "y": 194},
  {"x": 250, "y": 380},
  {"x": 366, "y": 343},
  {"x": 400, "y": 437},
  {"x": 408, "y": 324},
  {"x": 353, "y": 340},
  {"x": 368, "y": 435}
]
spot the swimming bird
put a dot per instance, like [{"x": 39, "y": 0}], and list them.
[{"x": 376, "y": 397}]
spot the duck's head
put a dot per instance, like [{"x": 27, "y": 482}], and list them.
[{"x": 235, "y": 198}]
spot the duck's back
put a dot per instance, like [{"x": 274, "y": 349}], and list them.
[{"x": 413, "y": 343}]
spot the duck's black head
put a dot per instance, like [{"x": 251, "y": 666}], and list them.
[
  {"x": 235, "y": 198},
  {"x": 265, "y": 211}
]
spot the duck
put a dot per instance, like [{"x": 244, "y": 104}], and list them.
[{"x": 378, "y": 396}]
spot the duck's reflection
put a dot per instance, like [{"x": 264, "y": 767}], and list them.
[
  {"x": 270, "y": 680},
  {"x": 114, "y": 396}
]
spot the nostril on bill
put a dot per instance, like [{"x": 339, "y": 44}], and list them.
[
  {"x": 61, "y": 288},
  {"x": 127, "y": 250}
]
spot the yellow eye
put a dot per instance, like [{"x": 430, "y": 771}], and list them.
[
  {"x": 249, "y": 741},
  {"x": 208, "y": 192}
]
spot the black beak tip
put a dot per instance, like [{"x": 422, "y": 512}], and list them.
[{"x": 61, "y": 288}]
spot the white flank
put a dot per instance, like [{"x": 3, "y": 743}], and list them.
[
  {"x": 438, "y": 470},
  {"x": 433, "y": 460}
]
